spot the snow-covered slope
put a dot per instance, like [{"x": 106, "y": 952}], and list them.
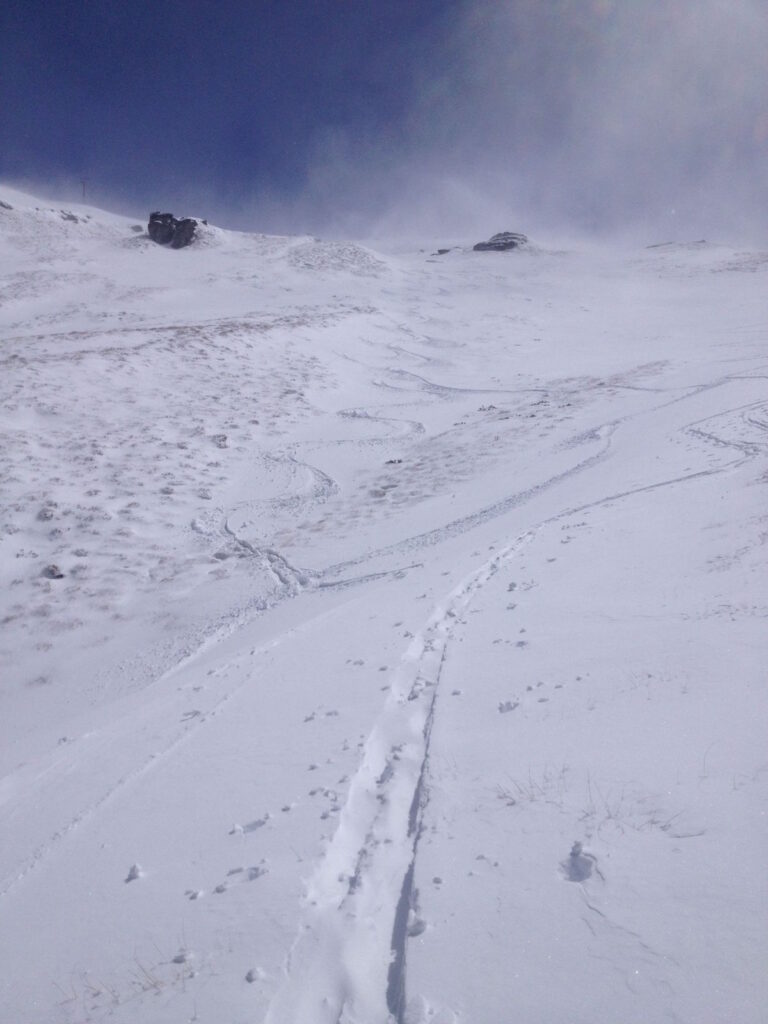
[{"x": 383, "y": 636}]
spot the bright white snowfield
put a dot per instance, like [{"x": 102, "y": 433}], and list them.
[{"x": 384, "y": 637}]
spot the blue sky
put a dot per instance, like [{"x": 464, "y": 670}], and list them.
[
  {"x": 230, "y": 97},
  {"x": 362, "y": 115}
]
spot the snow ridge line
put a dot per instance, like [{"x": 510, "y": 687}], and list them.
[{"x": 348, "y": 963}]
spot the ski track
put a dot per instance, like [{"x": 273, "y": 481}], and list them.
[
  {"x": 362, "y": 893},
  {"x": 401, "y": 428},
  {"x": 290, "y": 581},
  {"x": 604, "y": 433},
  {"x": 350, "y": 955}
]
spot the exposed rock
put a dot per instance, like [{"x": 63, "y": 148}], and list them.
[
  {"x": 161, "y": 227},
  {"x": 165, "y": 229},
  {"x": 184, "y": 233},
  {"x": 5, "y": 206},
  {"x": 137, "y": 228},
  {"x": 52, "y": 572},
  {"x": 501, "y": 242}
]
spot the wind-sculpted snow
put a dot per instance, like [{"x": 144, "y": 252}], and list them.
[
  {"x": 383, "y": 636},
  {"x": 334, "y": 256}
]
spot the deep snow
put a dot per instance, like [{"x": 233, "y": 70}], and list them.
[{"x": 408, "y": 657}]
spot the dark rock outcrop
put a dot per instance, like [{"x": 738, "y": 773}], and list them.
[
  {"x": 160, "y": 227},
  {"x": 501, "y": 243},
  {"x": 184, "y": 233},
  {"x": 165, "y": 229}
]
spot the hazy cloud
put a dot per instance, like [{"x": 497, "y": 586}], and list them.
[{"x": 638, "y": 117}]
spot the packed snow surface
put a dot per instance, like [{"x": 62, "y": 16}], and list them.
[{"x": 383, "y": 633}]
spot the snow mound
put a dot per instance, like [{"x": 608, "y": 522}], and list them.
[
  {"x": 335, "y": 256},
  {"x": 34, "y": 227}
]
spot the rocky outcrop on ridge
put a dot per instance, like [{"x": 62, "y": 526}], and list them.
[
  {"x": 165, "y": 229},
  {"x": 501, "y": 242}
]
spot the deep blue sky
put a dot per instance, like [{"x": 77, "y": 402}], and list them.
[
  {"x": 145, "y": 95},
  {"x": 353, "y": 115}
]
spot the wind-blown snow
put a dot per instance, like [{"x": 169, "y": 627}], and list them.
[{"x": 383, "y": 635}]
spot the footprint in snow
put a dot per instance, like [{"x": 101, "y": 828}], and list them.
[
  {"x": 248, "y": 875},
  {"x": 579, "y": 865},
  {"x": 508, "y": 705},
  {"x": 252, "y": 826}
]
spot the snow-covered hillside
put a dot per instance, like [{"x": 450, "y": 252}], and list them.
[{"x": 383, "y": 635}]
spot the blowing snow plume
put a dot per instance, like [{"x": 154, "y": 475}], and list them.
[{"x": 600, "y": 116}]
